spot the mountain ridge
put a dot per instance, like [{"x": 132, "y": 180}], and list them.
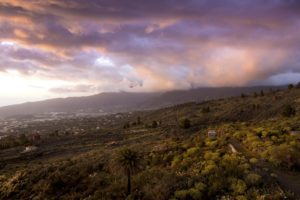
[{"x": 109, "y": 102}]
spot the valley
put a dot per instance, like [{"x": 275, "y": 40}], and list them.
[{"x": 76, "y": 158}]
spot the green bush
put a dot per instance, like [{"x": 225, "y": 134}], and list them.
[
  {"x": 238, "y": 186},
  {"x": 253, "y": 179},
  {"x": 192, "y": 151}
]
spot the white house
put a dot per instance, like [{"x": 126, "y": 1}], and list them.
[
  {"x": 30, "y": 149},
  {"x": 212, "y": 134}
]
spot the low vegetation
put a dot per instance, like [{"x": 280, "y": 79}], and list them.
[{"x": 164, "y": 154}]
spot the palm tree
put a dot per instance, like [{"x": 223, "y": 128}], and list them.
[{"x": 129, "y": 161}]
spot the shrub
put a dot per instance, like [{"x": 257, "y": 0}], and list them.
[
  {"x": 181, "y": 194},
  {"x": 192, "y": 151},
  {"x": 205, "y": 109},
  {"x": 200, "y": 186},
  {"x": 211, "y": 167},
  {"x": 185, "y": 123},
  {"x": 241, "y": 197},
  {"x": 158, "y": 184},
  {"x": 176, "y": 161},
  {"x": 253, "y": 179},
  {"x": 154, "y": 124},
  {"x": 134, "y": 124},
  {"x": 126, "y": 125},
  {"x": 209, "y": 155},
  {"x": 253, "y": 161},
  {"x": 262, "y": 93},
  {"x": 238, "y": 186},
  {"x": 288, "y": 111},
  {"x": 192, "y": 193},
  {"x": 138, "y": 120},
  {"x": 285, "y": 156}
]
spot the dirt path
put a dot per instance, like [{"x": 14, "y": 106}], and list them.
[{"x": 288, "y": 180}]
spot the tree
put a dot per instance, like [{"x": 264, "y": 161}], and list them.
[
  {"x": 23, "y": 139},
  {"x": 134, "y": 124},
  {"x": 154, "y": 124},
  {"x": 126, "y": 125},
  {"x": 129, "y": 161},
  {"x": 288, "y": 111},
  {"x": 255, "y": 94},
  {"x": 262, "y": 93},
  {"x": 138, "y": 120},
  {"x": 206, "y": 109},
  {"x": 291, "y": 86},
  {"x": 243, "y": 95},
  {"x": 185, "y": 123}
]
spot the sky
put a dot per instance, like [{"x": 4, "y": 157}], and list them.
[{"x": 60, "y": 48}]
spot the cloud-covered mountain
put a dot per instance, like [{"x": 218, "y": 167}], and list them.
[{"x": 124, "y": 101}]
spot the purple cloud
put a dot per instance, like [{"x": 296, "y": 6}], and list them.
[{"x": 150, "y": 45}]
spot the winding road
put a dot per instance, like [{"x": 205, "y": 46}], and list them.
[{"x": 289, "y": 181}]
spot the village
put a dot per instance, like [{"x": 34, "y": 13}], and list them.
[
  {"x": 21, "y": 124},
  {"x": 29, "y": 133}
]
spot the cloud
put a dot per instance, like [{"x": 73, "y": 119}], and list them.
[
  {"x": 73, "y": 89},
  {"x": 150, "y": 45}
]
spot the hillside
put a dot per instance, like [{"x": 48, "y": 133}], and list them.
[
  {"x": 106, "y": 102},
  {"x": 233, "y": 109},
  {"x": 124, "y": 101},
  {"x": 80, "y": 158}
]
